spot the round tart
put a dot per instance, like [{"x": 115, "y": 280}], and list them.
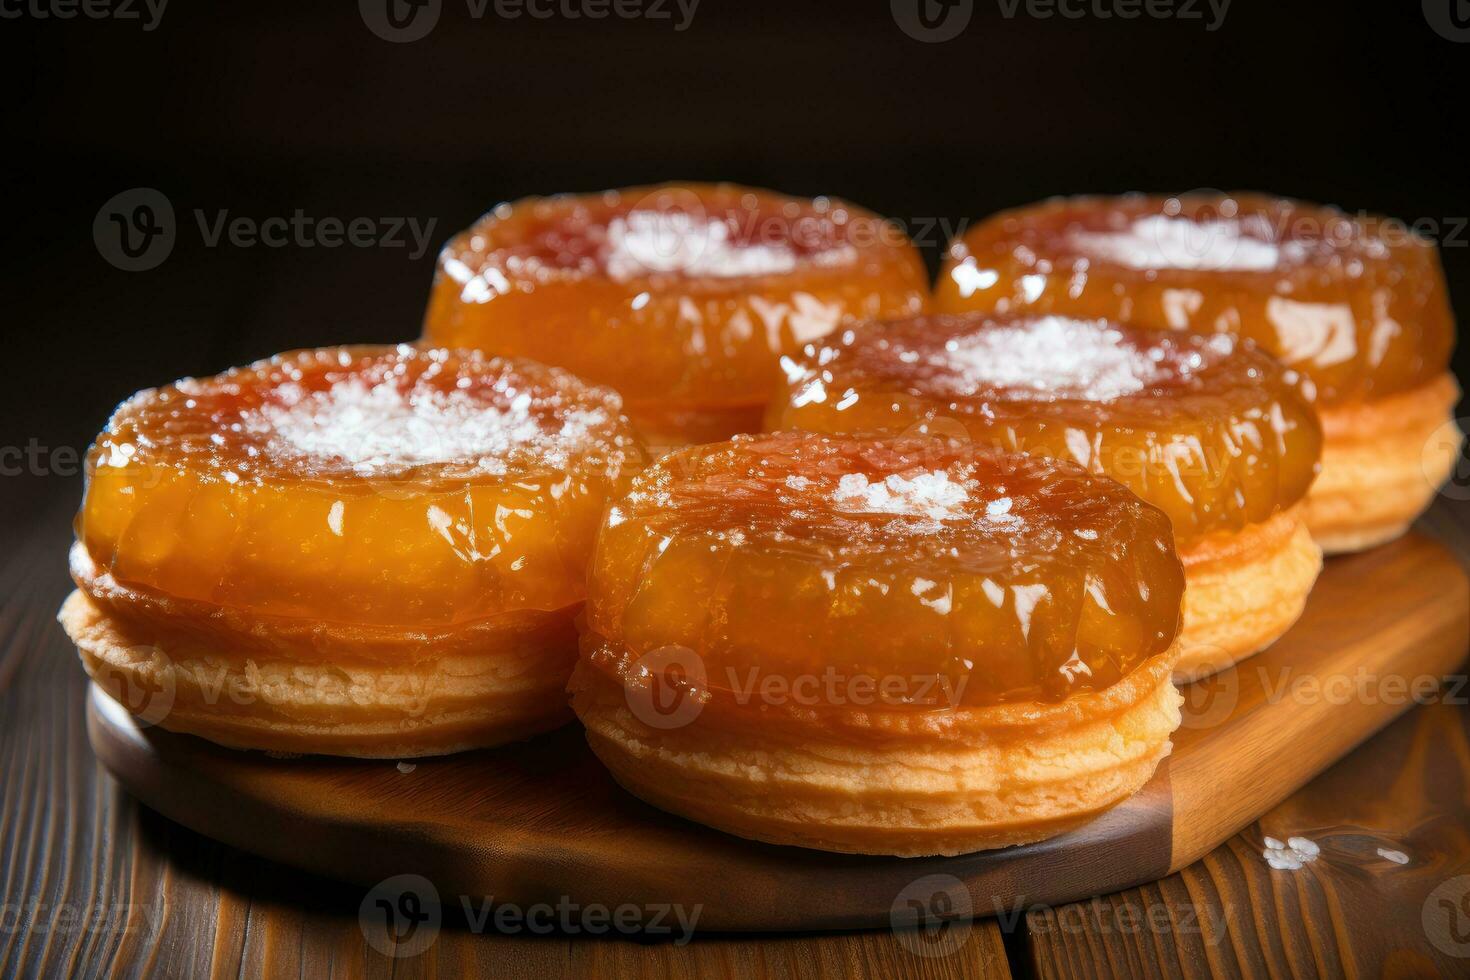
[
  {"x": 1356, "y": 305},
  {"x": 905, "y": 647},
  {"x": 371, "y": 551},
  {"x": 682, "y": 297},
  {"x": 1206, "y": 428}
]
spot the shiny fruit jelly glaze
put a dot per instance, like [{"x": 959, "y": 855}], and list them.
[
  {"x": 1206, "y": 428},
  {"x": 361, "y": 485},
  {"x": 794, "y": 556},
  {"x": 1356, "y": 304},
  {"x": 677, "y": 296}
]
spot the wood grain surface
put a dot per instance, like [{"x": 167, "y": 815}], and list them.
[
  {"x": 96, "y": 885},
  {"x": 1351, "y": 912}
]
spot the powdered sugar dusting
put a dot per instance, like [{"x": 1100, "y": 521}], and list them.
[
  {"x": 928, "y": 494},
  {"x": 1162, "y": 242},
  {"x": 1051, "y": 356},
  {"x": 644, "y": 242},
  {"x": 384, "y": 428}
]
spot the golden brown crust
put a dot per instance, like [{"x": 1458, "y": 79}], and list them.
[
  {"x": 909, "y": 796},
  {"x": 1243, "y": 591},
  {"x": 255, "y": 700},
  {"x": 1382, "y": 461}
]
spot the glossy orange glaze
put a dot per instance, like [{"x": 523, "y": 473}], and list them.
[
  {"x": 372, "y": 486},
  {"x": 682, "y": 297},
  {"x": 1356, "y": 304},
  {"x": 951, "y": 574},
  {"x": 1206, "y": 428}
]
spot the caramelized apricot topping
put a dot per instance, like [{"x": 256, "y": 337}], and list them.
[
  {"x": 1206, "y": 428},
  {"x": 1002, "y": 577},
  {"x": 375, "y": 486},
  {"x": 681, "y": 297},
  {"x": 1357, "y": 304}
]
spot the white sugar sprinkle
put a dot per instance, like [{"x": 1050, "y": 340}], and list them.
[
  {"x": 1290, "y": 856},
  {"x": 382, "y": 429},
  {"x": 1161, "y": 242},
  {"x": 406, "y": 767},
  {"x": 1052, "y": 356},
  {"x": 652, "y": 241},
  {"x": 932, "y": 495},
  {"x": 1284, "y": 860},
  {"x": 1397, "y": 857}
]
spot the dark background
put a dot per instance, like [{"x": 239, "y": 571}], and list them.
[{"x": 266, "y": 108}]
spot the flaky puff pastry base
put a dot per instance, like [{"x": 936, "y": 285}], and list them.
[
  {"x": 1382, "y": 461},
  {"x": 291, "y": 704},
  {"x": 943, "y": 783},
  {"x": 1242, "y": 591}
]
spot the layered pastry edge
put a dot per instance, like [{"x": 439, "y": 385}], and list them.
[
  {"x": 1243, "y": 591},
  {"x": 287, "y": 704},
  {"x": 1383, "y": 460},
  {"x": 1002, "y": 775}
]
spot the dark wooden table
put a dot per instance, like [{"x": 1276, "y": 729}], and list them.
[{"x": 94, "y": 884}]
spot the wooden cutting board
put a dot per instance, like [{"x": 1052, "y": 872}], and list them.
[{"x": 543, "y": 822}]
